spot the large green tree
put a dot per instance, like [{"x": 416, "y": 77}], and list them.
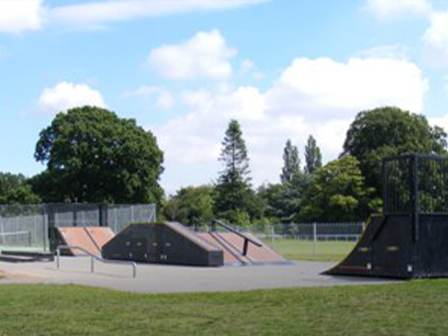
[
  {"x": 337, "y": 193},
  {"x": 234, "y": 199},
  {"x": 92, "y": 155},
  {"x": 382, "y": 132},
  {"x": 282, "y": 201},
  {"x": 191, "y": 206},
  {"x": 291, "y": 162},
  {"x": 15, "y": 189},
  {"x": 313, "y": 156}
]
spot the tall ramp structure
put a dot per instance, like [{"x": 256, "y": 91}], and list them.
[{"x": 410, "y": 239}]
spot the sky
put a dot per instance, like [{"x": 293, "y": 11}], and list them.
[{"x": 184, "y": 68}]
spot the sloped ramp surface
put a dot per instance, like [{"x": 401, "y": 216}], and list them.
[
  {"x": 233, "y": 245},
  {"x": 359, "y": 260},
  {"x": 91, "y": 239},
  {"x": 384, "y": 250}
]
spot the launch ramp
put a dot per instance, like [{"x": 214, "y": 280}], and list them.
[
  {"x": 241, "y": 248},
  {"x": 91, "y": 239}
]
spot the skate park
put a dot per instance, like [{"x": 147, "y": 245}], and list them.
[
  {"x": 406, "y": 241},
  {"x": 79, "y": 254}
]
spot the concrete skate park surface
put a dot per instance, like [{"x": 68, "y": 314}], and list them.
[{"x": 177, "y": 279}]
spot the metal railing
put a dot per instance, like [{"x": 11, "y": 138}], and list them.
[
  {"x": 94, "y": 257},
  {"x": 247, "y": 239}
]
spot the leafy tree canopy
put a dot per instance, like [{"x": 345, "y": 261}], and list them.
[
  {"x": 282, "y": 201},
  {"x": 92, "y": 155},
  {"x": 337, "y": 193},
  {"x": 382, "y": 132},
  {"x": 234, "y": 198},
  {"x": 313, "y": 156},
  {"x": 291, "y": 162},
  {"x": 15, "y": 189},
  {"x": 191, "y": 206}
]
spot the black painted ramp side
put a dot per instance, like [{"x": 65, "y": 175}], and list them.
[
  {"x": 163, "y": 243},
  {"x": 359, "y": 260}
]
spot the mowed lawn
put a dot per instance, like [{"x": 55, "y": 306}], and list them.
[
  {"x": 411, "y": 308},
  {"x": 308, "y": 250}
]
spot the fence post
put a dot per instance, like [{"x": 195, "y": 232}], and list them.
[
  {"x": 92, "y": 265},
  {"x": 314, "y": 238}
]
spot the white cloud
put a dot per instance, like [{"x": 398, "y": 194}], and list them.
[
  {"x": 311, "y": 96},
  {"x": 65, "y": 95},
  {"x": 336, "y": 89},
  {"x": 99, "y": 13},
  {"x": 436, "y": 35},
  {"x": 399, "y": 8},
  {"x": 393, "y": 51},
  {"x": 164, "y": 98},
  {"x": 249, "y": 68},
  {"x": 205, "y": 55},
  {"x": 17, "y": 16}
]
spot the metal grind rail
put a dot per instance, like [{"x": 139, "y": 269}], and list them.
[
  {"x": 91, "y": 238},
  {"x": 247, "y": 240},
  {"x": 94, "y": 257},
  {"x": 224, "y": 243}
]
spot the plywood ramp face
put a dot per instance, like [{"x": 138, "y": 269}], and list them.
[
  {"x": 101, "y": 235},
  {"x": 92, "y": 239},
  {"x": 233, "y": 245}
]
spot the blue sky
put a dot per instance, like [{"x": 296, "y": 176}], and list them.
[{"x": 184, "y": 68}]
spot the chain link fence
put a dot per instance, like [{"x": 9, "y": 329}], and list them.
[
  {"x": 26, "y": 226},
  {"x": 315, "y": 241}
]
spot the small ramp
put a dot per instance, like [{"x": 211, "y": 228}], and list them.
[
  {"x": 233, "y": 246},
  {"x": 91, "y": 239}
]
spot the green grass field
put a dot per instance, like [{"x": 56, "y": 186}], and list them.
[
  {"x": 307, "y": 250},
  {"x": 411, "y": 308}
]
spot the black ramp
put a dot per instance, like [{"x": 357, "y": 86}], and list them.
[
  {"x": 410, "y": 240},
  {"x": 162, "y": 243},
  {"x": 384, "y": 250},
  {"x": 393, "y": 248},
  {"x": 433, "y": 246},
  {"x": 359, "y": 260}
]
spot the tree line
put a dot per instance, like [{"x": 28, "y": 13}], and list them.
[{"x": 92, "y": 155}]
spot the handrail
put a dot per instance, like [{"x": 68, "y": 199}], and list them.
[
  {"x": 247, "y": 240},
  {"x": 225, "y": 244},
  {"x": 231, "y": 229},
  {"x": 93, "y": 257},
  {"x": 91, "y": 238}
]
